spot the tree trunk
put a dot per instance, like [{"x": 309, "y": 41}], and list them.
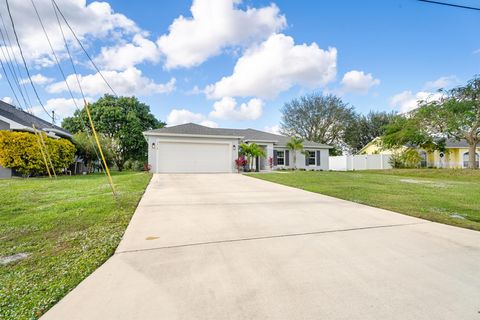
[
  {"x": 472, "y": 153},
  {"x": 294, "y": 159}
]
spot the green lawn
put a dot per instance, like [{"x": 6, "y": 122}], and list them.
[
  {"x": 442, "y": 195},
  {"x": 68, "y": 227}
]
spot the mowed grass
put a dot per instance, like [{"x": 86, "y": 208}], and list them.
[
  {"x": 68, "y": 227},
  {"x": 441, "y": 195}
]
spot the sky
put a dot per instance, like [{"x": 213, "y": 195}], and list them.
[{"x": 233, "y": 63}]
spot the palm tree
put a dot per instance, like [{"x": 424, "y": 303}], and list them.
[
  {"x": 295, "y": 144},
  {"x": 252, "y": 151}
]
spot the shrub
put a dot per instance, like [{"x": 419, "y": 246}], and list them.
[
  {"x": 138, "y": 165},
  {"x": 408, "y": 158},
  {"x": 128, "y": 164},
  {"x": 20, "y": 151}
]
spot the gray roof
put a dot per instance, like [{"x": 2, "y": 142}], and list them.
[
  {"x": 246, "y": 134},
  {"x": 452, "y": 143},
  {"x": 26, "y": 119}
]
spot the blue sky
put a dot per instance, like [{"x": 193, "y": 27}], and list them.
[{"x": 377, "y": 55}]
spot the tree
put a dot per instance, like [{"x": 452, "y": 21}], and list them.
[
  {"x": 410, "y": 131},
  {"x": 365, "y": 128},
  {"x": 295, "y": 144},
  {"x": 21, "y": 152},
  {"x": 456, "y": 116},
  {"x": 251, "y": 151},
  {"x": 87, "y": 148},
  {"x": 318, "y": 118},
  {"x": 121, "y": 120}
]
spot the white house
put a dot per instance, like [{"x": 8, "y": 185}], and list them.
[{"x": 192, "y": 148}]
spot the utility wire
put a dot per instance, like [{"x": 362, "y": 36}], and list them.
[
  {"x": 23, "y": 59},
  {"x": 450, "y": 4},
  {"x": 74, "y": 70},
  {"x": 15, "y": 60},
  {"x": 83, "y": 48},
  {"x": 68, "y": 50},
  {"x": 10, "y": 60},
  {"x": 10, "y": 84}
]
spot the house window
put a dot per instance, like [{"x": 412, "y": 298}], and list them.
[
  {"x": 423, "y": 159},
  {"x": 465, "y": 159},
  {"x": 280, "y": 158},
  {"x": 311, "y": 158}
]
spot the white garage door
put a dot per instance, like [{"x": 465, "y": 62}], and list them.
[{"x": 181, "y": 157}]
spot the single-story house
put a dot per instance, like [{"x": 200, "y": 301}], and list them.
[
  {"x": 15, "y": 119},
  {"x": 192, "y": 148},
  {"x": 455, "y": 155}
]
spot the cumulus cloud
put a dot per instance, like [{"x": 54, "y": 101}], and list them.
[
  {"x": 275, "y": 129},
  {"x": 8, "y": 100},
  {"x": 63, "y": 107},
  {"x": 128, "y": 82},
  {"x": 214, "y": 25},
  {"x": 126, "y": 55},
  {"x": 182, "y": 116},
  {"x": 440, "y": 83},
  {"x": 102, "y": 21},
  {"x": 227, "y": 109},
  {"x": 38, "y": 78},
  {"x": 407, "y": 101},
  {"x": 358, "y": 81},
  {"x": 275, "y": 66}
]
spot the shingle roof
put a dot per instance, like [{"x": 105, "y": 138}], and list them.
[
  {"x": 247, "y": 134},
  {"x": 452, "y": 143},
  {"x": 26, "y": 119}
]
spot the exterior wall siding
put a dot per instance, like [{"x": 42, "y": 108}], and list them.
[{"x": 323, "y": 165}]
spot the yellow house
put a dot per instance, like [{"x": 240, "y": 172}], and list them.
[{"x": 455, "y": 155}]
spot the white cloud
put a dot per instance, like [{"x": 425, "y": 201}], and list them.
[
  {"x": 128, "y": 82},
  {"x": 275, "y": 66},
  {"x": 358, "y": 81},
  {"x": 440, "y": 83},
  {"x": 8, "y": 100},
  {"x": 214, "y": 25},
  {"x": 227, "y": 109},
  {"x": 407, "y": 101},
  {"x": 476, "y": 51},
  {"x": 273, "y": 129},
  {"x": 182, "y": 116},
  {"x": 97, "y": 20},
  {"x": 209, "y": 123},
  {"x": 37, "y": 79},
  {"x": 63, "y": 107},
  {"x": 124, "y": 56}
]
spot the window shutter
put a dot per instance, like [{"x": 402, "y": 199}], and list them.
[
  {"x": 317, "y": 160},
  {"x": 287, "y": 157},
  {"x": 275, "y": 160},
  {"x": 307, "y": 155}
]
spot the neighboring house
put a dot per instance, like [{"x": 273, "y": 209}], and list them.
[
  {"x": 14, "y": 119},
  {"x": 455, "y": 155},
  {"x": 194, "y": 148}
]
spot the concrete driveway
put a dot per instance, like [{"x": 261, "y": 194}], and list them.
[{"x": 226, "y": 246}]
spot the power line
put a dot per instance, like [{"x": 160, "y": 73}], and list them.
[
  {"x": 68, "y": 51},
  {"x": 10, "y": 60},
  {"x": 450, "y": 5},
  {"x": 23, "y": 59},
  {"x": 83, "y": 48}
]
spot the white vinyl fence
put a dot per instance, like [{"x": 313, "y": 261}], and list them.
[{"x": 359, "y": 162}]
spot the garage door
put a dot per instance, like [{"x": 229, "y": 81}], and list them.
[{"x": 180, "y": 157}]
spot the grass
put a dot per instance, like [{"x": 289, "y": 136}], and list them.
[
  {"x": 68, "y": 227},
  {"x": 442, "y": 195}
]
